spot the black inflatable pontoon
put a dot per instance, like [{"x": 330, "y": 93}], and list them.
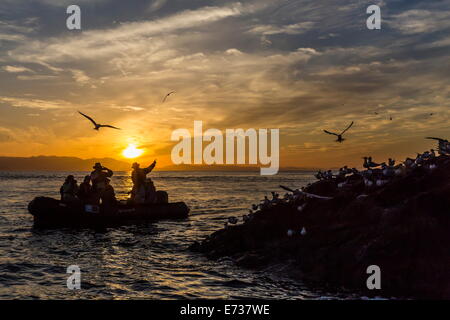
[{"x": 51, "y": 213}]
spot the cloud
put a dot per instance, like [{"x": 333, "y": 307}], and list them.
[
  {"x": 80, "y": 76},
  {"x": 292, "y": 29},
  {"x": 16, "y": 69},
  {"x": 420, "y": 21},
  {"x": 35, "y": 103},
  {"x": 36, "y": 77},
  {"x": 64, "y": 3},
  {"x": 102, "y": 43},
  {"x": 12, "y": 37},
  {"x": 156, "y": 5}
]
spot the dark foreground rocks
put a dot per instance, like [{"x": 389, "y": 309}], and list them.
[{"x": 402, "y": 227}]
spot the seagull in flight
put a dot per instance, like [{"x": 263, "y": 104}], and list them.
[
  {"x": 339, "y": 136},
  {"x": 97, "y": 125},
  {"x": 167, "y": 95}
]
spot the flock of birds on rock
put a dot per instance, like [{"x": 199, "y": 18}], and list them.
[
  {"x": 378, "y": 174},
  {"x": 374, "y": 175}
]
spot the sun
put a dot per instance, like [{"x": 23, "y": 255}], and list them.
[{"x": 132, "y": 152}]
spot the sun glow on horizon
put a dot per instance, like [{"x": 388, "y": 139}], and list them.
[{"x": 132, "y": 152}]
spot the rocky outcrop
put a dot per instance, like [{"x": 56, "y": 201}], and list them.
[{"x": 403, "y": 227}]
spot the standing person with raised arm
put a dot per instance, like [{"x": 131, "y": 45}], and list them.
[{"x": 138, "y": 176}]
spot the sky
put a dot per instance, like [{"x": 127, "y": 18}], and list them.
[{"x": 299, "y": 66}]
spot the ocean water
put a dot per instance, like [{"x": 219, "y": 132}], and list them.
[{"x": 150, "y": 261}]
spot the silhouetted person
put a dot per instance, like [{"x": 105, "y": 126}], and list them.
[
  {"x": 108, "y": 194},
  {"x": 85, "y": 190},
  {"x": 150, "y": 191},
  {"x": 99, "y": 180},
  {"x": 69, "y": 189},
  {"x": 138, "y": 177}
]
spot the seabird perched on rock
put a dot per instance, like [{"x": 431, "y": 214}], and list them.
[
  {"x": 388, "y": 171},
  {"x": 410, "y": 163},
  {"x": 419, "y": 159},
  {"x": 308, "y": 195},
  {"x": 399, "y": 170},
  {"x": 303, "y": 231},
  {"x": 347, "y": 170},
  {"x": 381, "y": 182},
  {"x": 233, "y": 220},
  {"x": 319, "y": 175},
  {"x": 275, "y": 197},
  {"x": 366, "y": 163},
  {"x": 368, "y": 183},
  {"x": 432, "y": 153},
  {"x": 339, "y": 136},
  {"x": 372, "y": 164},
  {"x": 265, "y": 203},
  {"x": 443, "y": 147}
]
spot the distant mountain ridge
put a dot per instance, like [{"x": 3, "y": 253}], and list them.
[{"x": 54, "y": 163}]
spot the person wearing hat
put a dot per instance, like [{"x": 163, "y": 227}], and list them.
[
  {"x": 138, "y": 176},
  {"x": 69, "y": 190},
  {"x": 98, "y": 179}
]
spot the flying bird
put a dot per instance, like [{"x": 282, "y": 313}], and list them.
[
  {"x": 97, "y": 125},
  {"x": 339, "y": 136},
  {"x": 167, "y": 95}
]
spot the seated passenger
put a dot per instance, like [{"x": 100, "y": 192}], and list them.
[
  {"x": 85, "y": 190},
  {"x": 69, "y": 190},
  {"x": 108, "y": 194},
  {"x": 150, "y": 191}
]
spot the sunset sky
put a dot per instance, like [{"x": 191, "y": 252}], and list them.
[{"x": 300, "y": 66}]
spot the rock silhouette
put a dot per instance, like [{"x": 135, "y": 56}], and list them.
[{"x": 402, "y": 226}]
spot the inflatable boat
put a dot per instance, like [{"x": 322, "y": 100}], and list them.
[{"x": 52, "y": 213}]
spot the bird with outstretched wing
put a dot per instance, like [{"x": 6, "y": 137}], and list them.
[
  {"x": 339, "y": 136},
  {"x": 97, "y": 126},
  {"x": 167, "y": 95}
]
